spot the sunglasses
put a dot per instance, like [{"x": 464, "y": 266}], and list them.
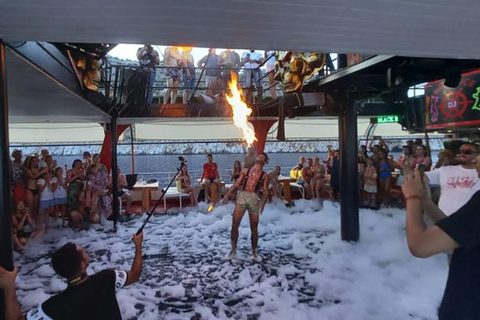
[{"x": 467, "y": 152}]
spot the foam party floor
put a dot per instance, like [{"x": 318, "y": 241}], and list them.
[{"x": 307, "y": 272}]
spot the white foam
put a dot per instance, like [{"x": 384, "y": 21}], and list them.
[{"x": 307, "y": 272}]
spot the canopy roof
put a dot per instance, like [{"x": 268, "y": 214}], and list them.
[
  {"x": 33, "y": 97},
  {"x": 424, "y": 28}
]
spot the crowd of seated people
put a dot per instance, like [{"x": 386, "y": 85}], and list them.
[{"x": 45, "y": 195}]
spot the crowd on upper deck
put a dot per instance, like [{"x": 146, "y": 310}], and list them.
[{"x": 216, "y": 70}]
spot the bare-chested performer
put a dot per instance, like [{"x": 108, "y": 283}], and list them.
[
  {"x": 249, "y": 185},
  {"x": 172, "y": 60},
  {"x": 250, "y": 158}
]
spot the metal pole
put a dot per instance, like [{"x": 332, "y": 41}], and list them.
[
  {"x": 349, "y": 170},
  {"x": 6, "y": 248},
  {"x": 115, "y": 204},
  {"x": 132, "y": 149}
]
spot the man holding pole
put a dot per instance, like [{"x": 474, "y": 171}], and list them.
[
  {"x": 251, "y": 182},
  {"x": 86, "y": 297}
]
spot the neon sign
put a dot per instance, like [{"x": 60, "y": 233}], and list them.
[{"x": 388, "y": 119}]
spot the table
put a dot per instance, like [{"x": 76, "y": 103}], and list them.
[
  {"x": 286, "y": 187},
  {"x": 146, "y": 190}
]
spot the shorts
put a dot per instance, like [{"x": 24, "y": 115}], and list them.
[
  {"x": 120, "y": 193},
  {"x": 60, "y": 201},
  {"x": 370, "y": 189},
  {"x": 173, "y": 73},
  {"x": 46, "y": 204},
  {"x": 249, "y": 201},
  {"x": 211, "y": 180}
]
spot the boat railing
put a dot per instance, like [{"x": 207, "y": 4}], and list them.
[{"x": 164, "y": 177}]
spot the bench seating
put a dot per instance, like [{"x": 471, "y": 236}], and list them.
[{"x": 172, "y": 192}]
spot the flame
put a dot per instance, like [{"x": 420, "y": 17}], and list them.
[
  {"x": 241, "y": 111},
  {"x": 210, "y": 208},
  {"x": 184, "y": 49}
]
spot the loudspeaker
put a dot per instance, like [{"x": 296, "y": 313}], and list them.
[{"x": 133, "y": 87}]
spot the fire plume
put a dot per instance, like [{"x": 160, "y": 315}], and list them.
[{"x": 241, "y": 111}]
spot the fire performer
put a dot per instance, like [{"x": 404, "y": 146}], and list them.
[
  {"x": 86, "y": 297},
  {"x": 251, "y": 182}
]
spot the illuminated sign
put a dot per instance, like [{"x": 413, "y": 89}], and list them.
[{"x": 385, "y": 119}]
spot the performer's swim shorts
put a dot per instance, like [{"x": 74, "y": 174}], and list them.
[{"x": 249, "y": 201}]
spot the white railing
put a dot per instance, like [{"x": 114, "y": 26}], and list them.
[{"x": 164, "y": 177}]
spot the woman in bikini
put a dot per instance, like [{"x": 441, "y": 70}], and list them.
[
  {"x": 186, "y": 184},
  {"x": 235, "y": 173},
  {"x": 318, "y": 181},
  {"x": 32, "y": 173},
  {"x": 385, "y": 167},
  {"x": 421, "y": 158}
]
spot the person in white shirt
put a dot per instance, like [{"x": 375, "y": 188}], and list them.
[
  {"x": 46, "y": 199},
  {"x": 251, "y": 61},
  {"x": 457, "y": 183},
  {"x": 59, "y": 187}
]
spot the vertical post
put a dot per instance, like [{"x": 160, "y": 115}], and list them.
[
  {"x": 349, "y": 170},
  {"x": 6, "y": 249},
  {"x": 115, "y": 204},
  {"x": 132, "y": 148}
]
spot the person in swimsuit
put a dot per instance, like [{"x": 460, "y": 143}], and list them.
[
  {"x": 385, "y": 167},
  {"x": 18, "y": 176},
  {"x": 421, "y": 157},
  {"x": 172, "y": 60},
  {"x": 250, "y": 184},
  {"x": 23, "y": 224},
  {"x": 32, "y": 173},
  {"x": 59, "y": 188},
  {"x": 186, "y": 184},
  {"x": 234, "y": 175},
  {"x": 87, "y": 157},
  {"x": 274, "y": 186},
  {"x": 370, "y": 184},
  {"x": 318, "y": 180},
  {"x": 307, "y": 176}
]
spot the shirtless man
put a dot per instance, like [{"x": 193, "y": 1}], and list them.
[
  {"x": 307, "y": 175},
  {"x": 172, "y": 60},
  {"x": 250, "y": 158},
  {"x": 249, "y": 185}
]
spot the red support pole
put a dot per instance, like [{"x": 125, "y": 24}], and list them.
[
  {"x": 261, "y": 128},
  {"x": 106, "y": 153}
]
